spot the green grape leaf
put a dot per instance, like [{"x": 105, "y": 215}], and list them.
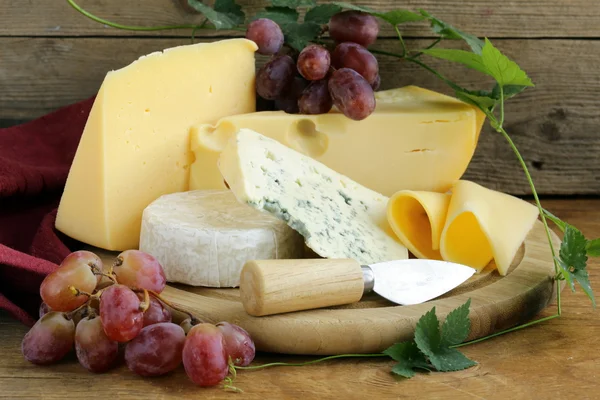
[
  {"x": 220, "y": 20},
  {"x": 446, "y": 359},
  {"x": 509, "y": 91},
  {"x": 279, "y": 15},
  {"x": 409, "y": 357},
  {"x": 484, "y": 103},
  {"x": 457, "y": 325},
  {"x": 447, "y": 31},
  {"x": 466, "y": 58},
  {"x": 355, "y": 7},
  {"x": 231, "y": 9},
  {"x": 427, "y": 333},
  {"x": 501, "y": 68},
  {"x": 299, "y": 35},
  {"x": 397, "y": 17},
  {"x": 557, "y": 221},
  {"x": 593, "y": 248},
  {"x": 321, "y": 13},
  {"x": 573, "y": 248},
  {"x": 294, "y": 3},
  {"x": 582, "y": 277},
  {"x": 566, "y": 273}
]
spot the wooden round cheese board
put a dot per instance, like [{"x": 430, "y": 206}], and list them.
[{"x": 373, "y": 324}]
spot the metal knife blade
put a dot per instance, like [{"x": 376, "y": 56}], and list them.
[{"x": 414, "y": 281}]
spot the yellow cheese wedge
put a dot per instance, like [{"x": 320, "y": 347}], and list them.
[
  {"x": 415, "y": 139},
  {"x": 135, "y": 146},
  {"x": 483, "y": 224},
  {"x": 418, "y": 218}
]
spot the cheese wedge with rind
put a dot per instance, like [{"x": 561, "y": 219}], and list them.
[
  {"x": 418, "y": 218},
  {"x": 483, "y": 224},
  {"x": 135, "y": 146},
  {"x": 416, "y": 139},
  {"x": 337, "y": 217},
  {"x": 204, "y": 237}
]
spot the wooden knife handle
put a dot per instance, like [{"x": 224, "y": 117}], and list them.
[{"x": 276, "y": 286}]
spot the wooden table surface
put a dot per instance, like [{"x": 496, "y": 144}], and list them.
[{"x": 559, "y": 359}]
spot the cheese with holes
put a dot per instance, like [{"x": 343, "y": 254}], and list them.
[
  {"x": 418, "y": 218},
  {"x": 484, "y": 225},
  {"x": 135, "y": 146},
  {"x": 204, "y": 237},
  {"x": 337, "y": 217},
  {"x": 415, "y": 139}
]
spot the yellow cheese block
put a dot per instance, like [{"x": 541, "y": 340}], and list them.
[
  {"x": 418, "y": 218},
  {"x": 415, "y": 139},
  {"x": 135, "y": 146},
  {"x": 483, "y": 224}
]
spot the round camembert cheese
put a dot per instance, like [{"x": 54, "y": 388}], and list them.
[{"x": 204, "y": 237}]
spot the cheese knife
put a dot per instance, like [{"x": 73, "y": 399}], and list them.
[{"x": 270, "y": 287}]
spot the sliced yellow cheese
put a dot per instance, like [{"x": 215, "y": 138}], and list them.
[
  {"x": 483, "y": 224},
  {"x": 418, "y": 218},
  {"x": 415, "y": 139},
  {"x": 135, "y": 146}
]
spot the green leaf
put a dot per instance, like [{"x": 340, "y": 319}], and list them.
[
  {"x": 447, "y": 359},
  {"x": 457, "y": 325},
  {"x": 355, "y": 7},
  {"x": 219, "y": 19},
  {"x": 279, "y": 15},
  {"x": 573, "y": 248},
  {"x": 409, "y": 357},
  {"x": 501, "y": 68},
  {"x": 321, "y": 13},
  {"x": 299, "y": 35},
  {"x": 427, "y": 333},
  {"x": 466, "y": 58},
  {"x": 231, "y": 9},
  {"x": 294, "y": 3},
  {"x": 509, "y": 91},
  {"x": 566, "y": 273},
  {"x": 447, "y": 31},
  {"x": 593, "y": 248},
  {"x": 581, "y": 276},
  {"x": 484, "y": 103},
  {"x": 397, "y": 17},
  {"x": 557, "y": 221}
]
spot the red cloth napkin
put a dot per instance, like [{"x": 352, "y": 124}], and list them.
[{"x": 34, "y": 163}]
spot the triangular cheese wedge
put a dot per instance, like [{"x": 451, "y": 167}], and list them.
[
  {"x": 417, "y": 218},
  {"x": 484, "y": 224}
]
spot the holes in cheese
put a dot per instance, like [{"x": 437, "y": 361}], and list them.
[
  {"x": 417, "y": 218},
  {"x": 415, "y": 139},
  {"x": 483, "y": 224},
  {"x": 135, "y": 145},
  {"x": 472, "y": 226}
]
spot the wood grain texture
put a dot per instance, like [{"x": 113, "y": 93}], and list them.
[
  {"x": 492, "y": 18},
  {"x": 555, "y": 125},
  {"x": 561, "y": 352}
]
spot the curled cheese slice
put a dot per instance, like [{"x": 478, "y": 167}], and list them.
[
  {"x": 483, "y": 224},
  {"x": 417, "y": 218}
]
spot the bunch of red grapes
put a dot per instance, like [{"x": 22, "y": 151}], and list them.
[
  {"x": 316, "y": 79},
  {"x": 101, "y": 312}
]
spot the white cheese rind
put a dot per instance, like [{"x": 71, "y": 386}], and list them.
[
  {"x": 204, "y": 237},
  {"x": 337, "y": 217}
]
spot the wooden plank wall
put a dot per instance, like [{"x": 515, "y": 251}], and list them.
[{"x": 51, "y": 56}]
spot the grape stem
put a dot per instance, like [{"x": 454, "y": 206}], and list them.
[
  {"x": 144, "y": 305},
  {"x": 193, "y": 319},
  {"x": 77, "y": 292}
]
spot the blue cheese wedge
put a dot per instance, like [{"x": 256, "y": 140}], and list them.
[{"x": 337, "y": 217}]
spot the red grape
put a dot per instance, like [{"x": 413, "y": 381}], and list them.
[
  {"x": 275, "y": 77},
  {"x": 316, "y": 98},
  {"x": 356, "y": 57},
  {"x": 120, "y": 313},
  {"x": 49, "y": 340},
  {"x": 288, "y": 102},
  {"x": 351, "y": 94},
  {"x": 266, "y": 34},
  {"x": 375, "y": 85},
  {"x": 156, "y": 312},
  {"x": 75, "y": 270},
  {"x": 44, "y": 309},
  {"x": 313, "y": 62},
  {"x": 354, "y": 26},
  {"x": 238, "y": 344},
  {"x": 204, "y": 356},
  {"x": 140, "y": 270},
  {"x": 95, "y": 351},
  {"x": 156, "y": 350}
]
